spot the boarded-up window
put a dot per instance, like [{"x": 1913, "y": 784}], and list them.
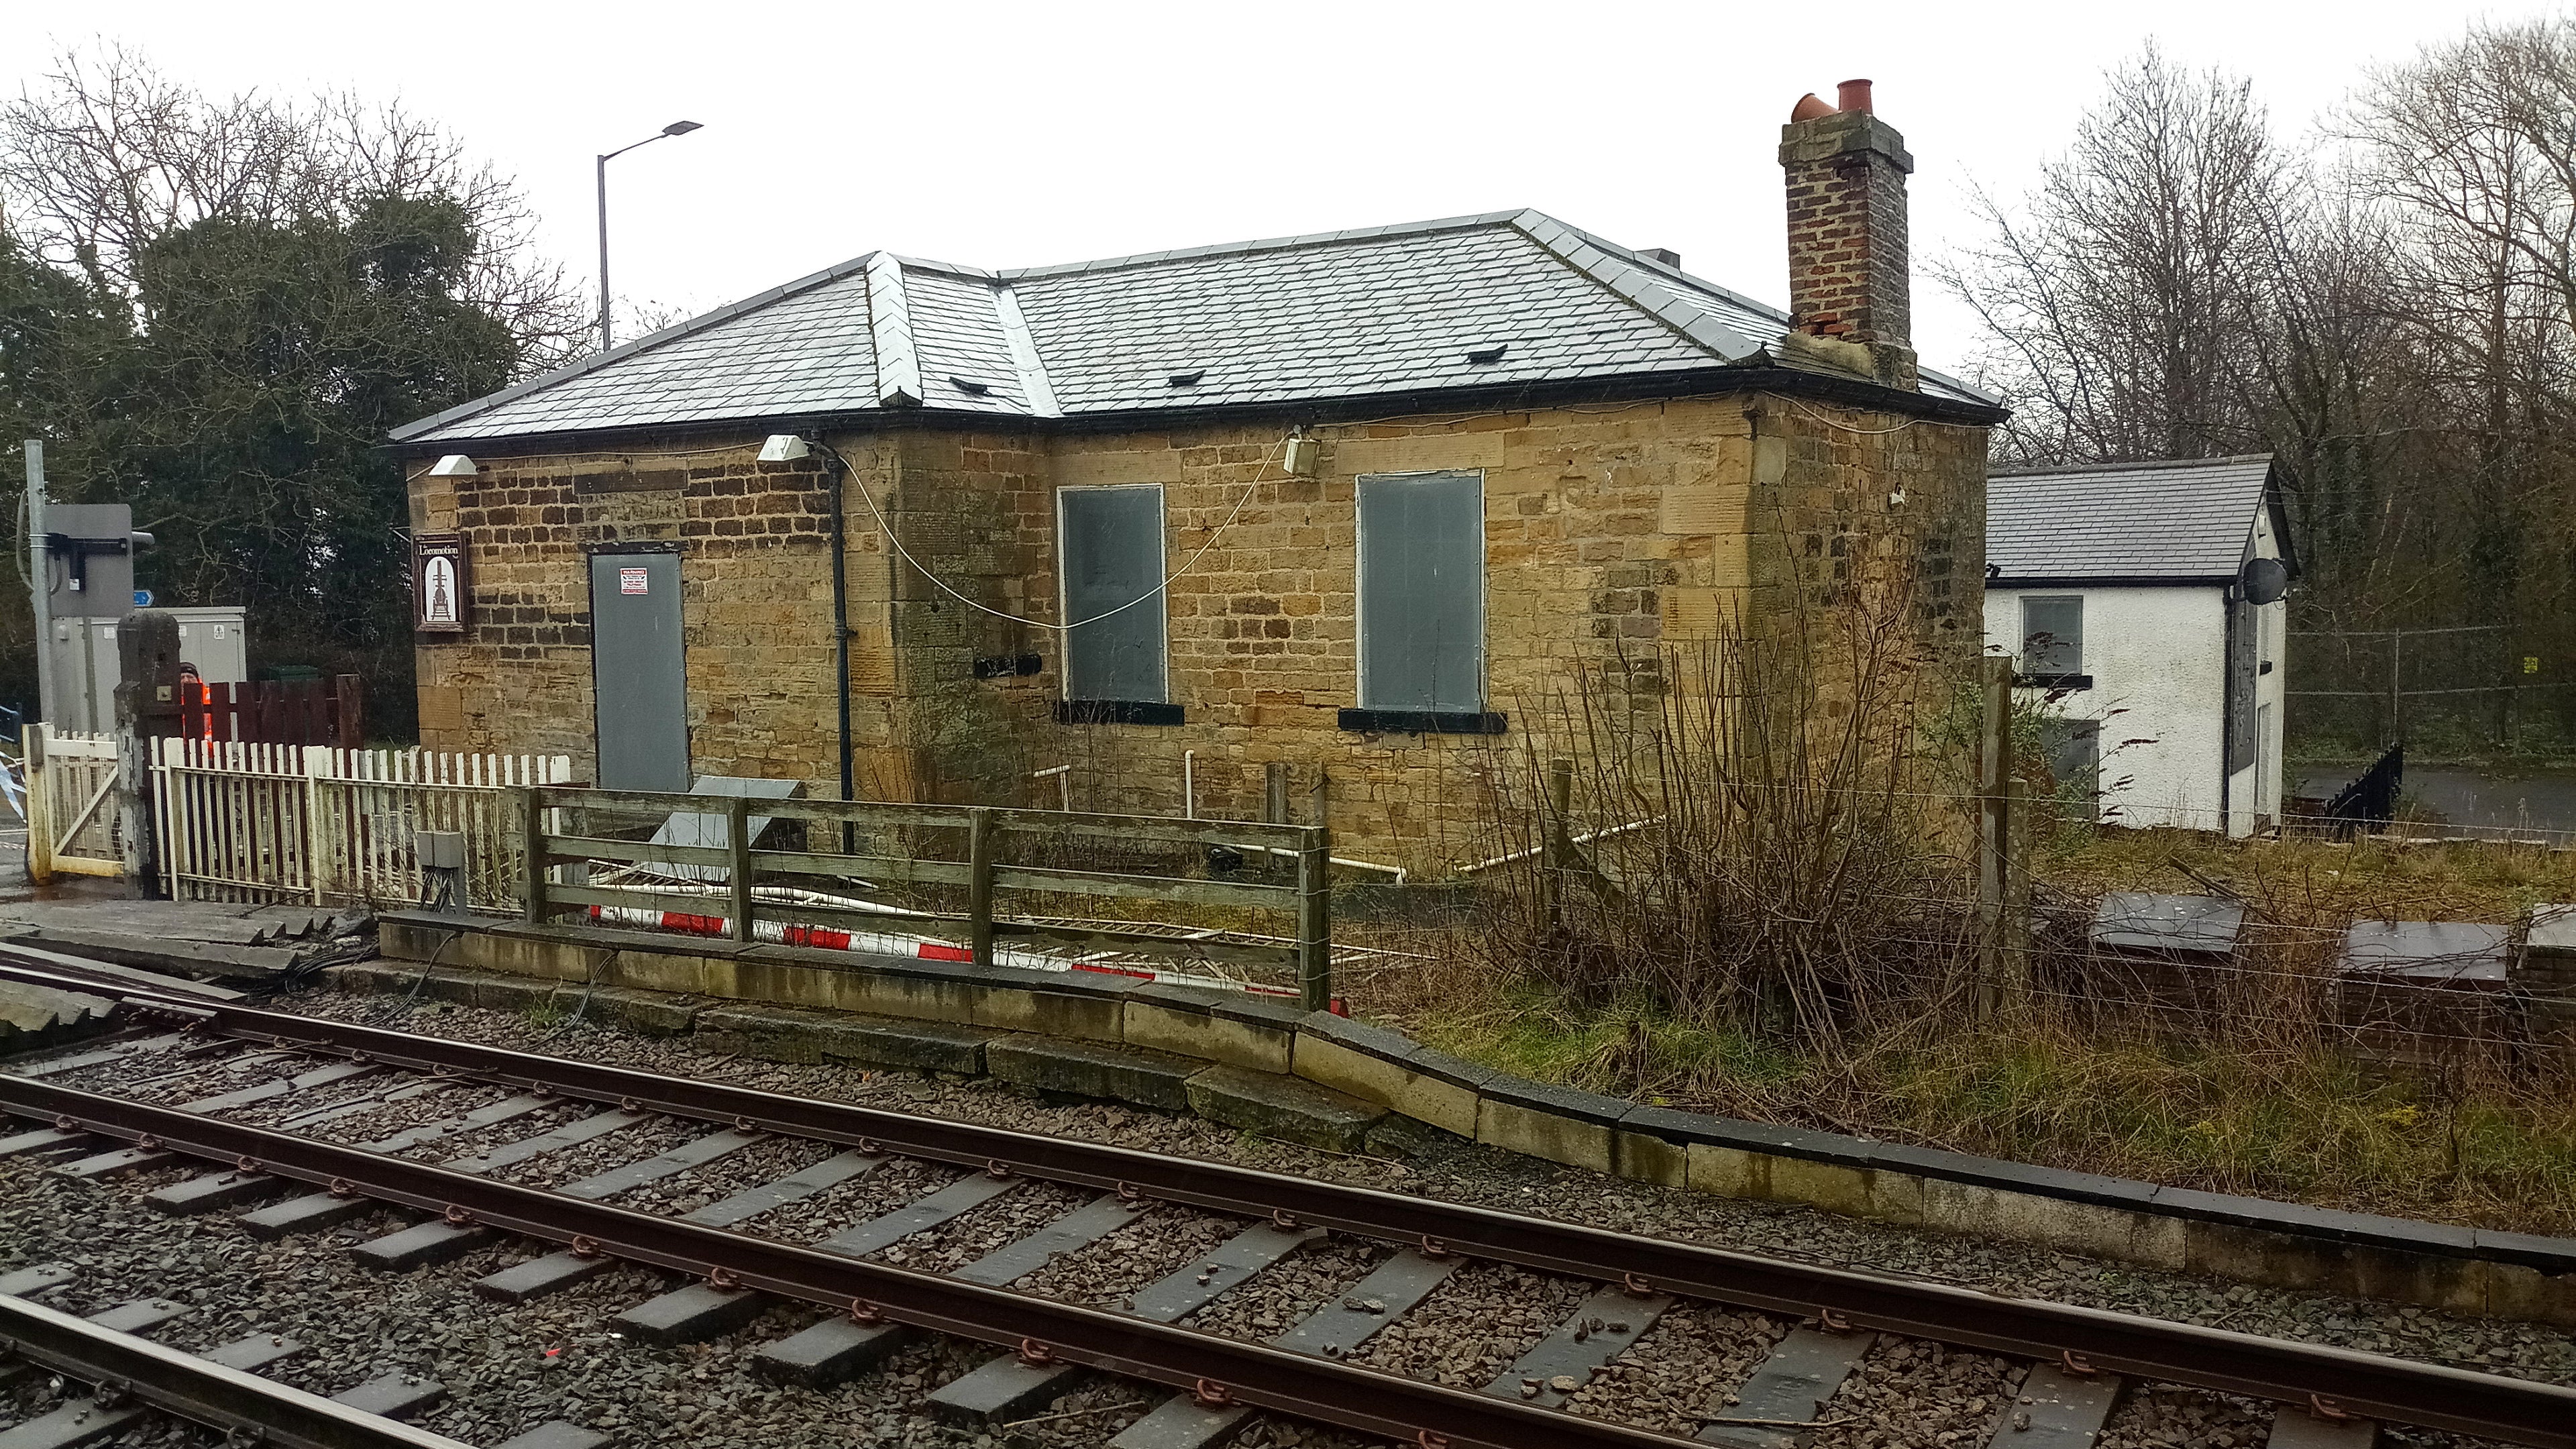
[
  {"x": 1110, "y": 556},
  {"x": 2052, "y": 635},
  {"x": 1422, "y": 591}
]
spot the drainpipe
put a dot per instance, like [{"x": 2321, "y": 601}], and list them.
[{"x": 833, "y": 469}]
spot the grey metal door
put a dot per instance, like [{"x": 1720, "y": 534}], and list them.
[{"x": 639, "y": 682}]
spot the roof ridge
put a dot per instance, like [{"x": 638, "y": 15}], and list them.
[
  {"x": 1010, "y": 275},
  {"x": 1586, "y": 254},
  {"x": 898, "y": 357},
  {"x": 2046, "y": 470},
  {"x": 648, "y": 341}
]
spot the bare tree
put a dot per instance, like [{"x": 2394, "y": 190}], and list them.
[
  {"x": 2122, "y": 296},
  {"x": 110, "y": 156}
]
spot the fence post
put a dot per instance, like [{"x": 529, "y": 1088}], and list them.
[
  {"x": 40, "y": 804},
  {"x": 1315, "y": 918},
  {"x": 349, "y": 705},
  {"x": 979, "y": 883},
  {"x": 317, "y": 851},
  {"x": 1274, "y": 793},
  {"x": 1998, "y": 963},
  {"x": 738, "y": 841},
  {"x": 536, "y": 840},
  {"x": 1555, "y": 842}
]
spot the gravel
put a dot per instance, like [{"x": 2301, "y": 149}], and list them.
[
  {"x": 1466, "y": 1333},
  {"x": 1447, "y": 1168}
]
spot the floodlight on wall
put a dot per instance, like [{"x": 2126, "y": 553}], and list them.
[
  {"x": 784, "y": 448},
  {"x": 454, "y": 465}
]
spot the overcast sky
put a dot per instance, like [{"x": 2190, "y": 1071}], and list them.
[{"x": 1001, "y": 134}]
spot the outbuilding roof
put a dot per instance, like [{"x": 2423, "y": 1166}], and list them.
[
  {"x": 1509, "y": 297},
  {"x": 2178, "y": 522}
]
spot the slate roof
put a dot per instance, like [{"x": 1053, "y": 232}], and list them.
[
  {"x": 1339, "y": 315},
  {"x": 2167, "y": 522}
]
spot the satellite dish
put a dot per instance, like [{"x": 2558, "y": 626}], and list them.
[{"x": 2264, "y": 581}]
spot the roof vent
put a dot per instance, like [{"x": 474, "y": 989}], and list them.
[
  {"x": 1484, "y": 356},
  {"x": 1187, "y": 379},
  {"x": 1666, "y": 255},
  {"x": 970, "y": 387}
]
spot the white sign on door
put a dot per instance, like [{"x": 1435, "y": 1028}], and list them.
[{"x": 630, "y": 581}]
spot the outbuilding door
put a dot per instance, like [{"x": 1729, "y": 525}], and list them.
[{"x": 639, "y": 682}]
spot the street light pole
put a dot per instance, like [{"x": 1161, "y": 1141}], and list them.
[{"x": 607, "y": 337}]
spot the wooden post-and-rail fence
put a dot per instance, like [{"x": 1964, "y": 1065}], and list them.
[{"x": 973, "y": 855}]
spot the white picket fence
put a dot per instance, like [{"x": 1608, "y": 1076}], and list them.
[{"x": 244, "y": 822}]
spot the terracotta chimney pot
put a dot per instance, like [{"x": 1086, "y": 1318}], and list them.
[
  {"x": 1809, "y": 107},
  {"x": 1852, "y": 95}
]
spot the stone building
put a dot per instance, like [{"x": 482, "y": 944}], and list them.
[{"x": 1335, "y": 505}]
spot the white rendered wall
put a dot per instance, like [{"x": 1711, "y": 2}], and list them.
[{"x": 2159, "y": 656}]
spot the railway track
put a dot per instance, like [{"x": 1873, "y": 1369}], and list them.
[{"x": 517, "y": 1112}]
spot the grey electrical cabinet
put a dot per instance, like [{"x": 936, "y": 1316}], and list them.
[{"x": 82, "y": 660}]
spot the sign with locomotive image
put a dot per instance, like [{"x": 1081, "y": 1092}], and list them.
[{"x": 438, "y": 598}]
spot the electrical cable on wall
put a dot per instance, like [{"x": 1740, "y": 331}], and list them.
[{"x": 1259, "y": 477}]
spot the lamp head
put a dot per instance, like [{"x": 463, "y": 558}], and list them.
[
  {"x": 784, "y": 448},
  {"x": 454, "y": 465},
  {"x": 681, "y": 128}
]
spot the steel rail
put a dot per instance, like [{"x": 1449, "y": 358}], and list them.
[
  {"x": 197, "y": 1390},
  {"x": 2374, "y": 1385},
  {"x": 1218, "y": 1369}
]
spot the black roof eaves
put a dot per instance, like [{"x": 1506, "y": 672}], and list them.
[
  {"x": 1638, "y": 386},
  {"x": 414, "y": 429}
]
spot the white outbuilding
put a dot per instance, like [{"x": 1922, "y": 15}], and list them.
[{"x": 2142, "y": 603}]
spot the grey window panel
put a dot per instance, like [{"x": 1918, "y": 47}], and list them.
[
  {"x": 1110, "y": 553},
  {"x": 639, "y": 681},
  {"x": 2052, "y": 635},
  {"x": 1422, "y": 592}
]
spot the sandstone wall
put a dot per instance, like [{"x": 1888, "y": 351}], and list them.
[{"x": 1609, "y": 531}]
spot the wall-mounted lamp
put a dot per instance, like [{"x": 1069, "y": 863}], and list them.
[
  {"x": 784, "y": 448},
  {"x": 454, "y": 465}
]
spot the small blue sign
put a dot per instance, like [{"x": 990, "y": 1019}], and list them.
[{"x": 143, "y": 598}]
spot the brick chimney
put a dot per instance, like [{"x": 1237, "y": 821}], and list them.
[{"x": 1848, "y": 267}]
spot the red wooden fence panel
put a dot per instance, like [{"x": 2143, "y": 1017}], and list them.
[{"x": 276, "y": 712}]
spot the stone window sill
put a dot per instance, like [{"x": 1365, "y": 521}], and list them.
[{"x": 1423, "y": 721}]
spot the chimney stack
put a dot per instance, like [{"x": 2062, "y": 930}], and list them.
[{"x": 1849, "y": 273}]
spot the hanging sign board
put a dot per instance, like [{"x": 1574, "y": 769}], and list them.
[{"x": 438, "y": 601}]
